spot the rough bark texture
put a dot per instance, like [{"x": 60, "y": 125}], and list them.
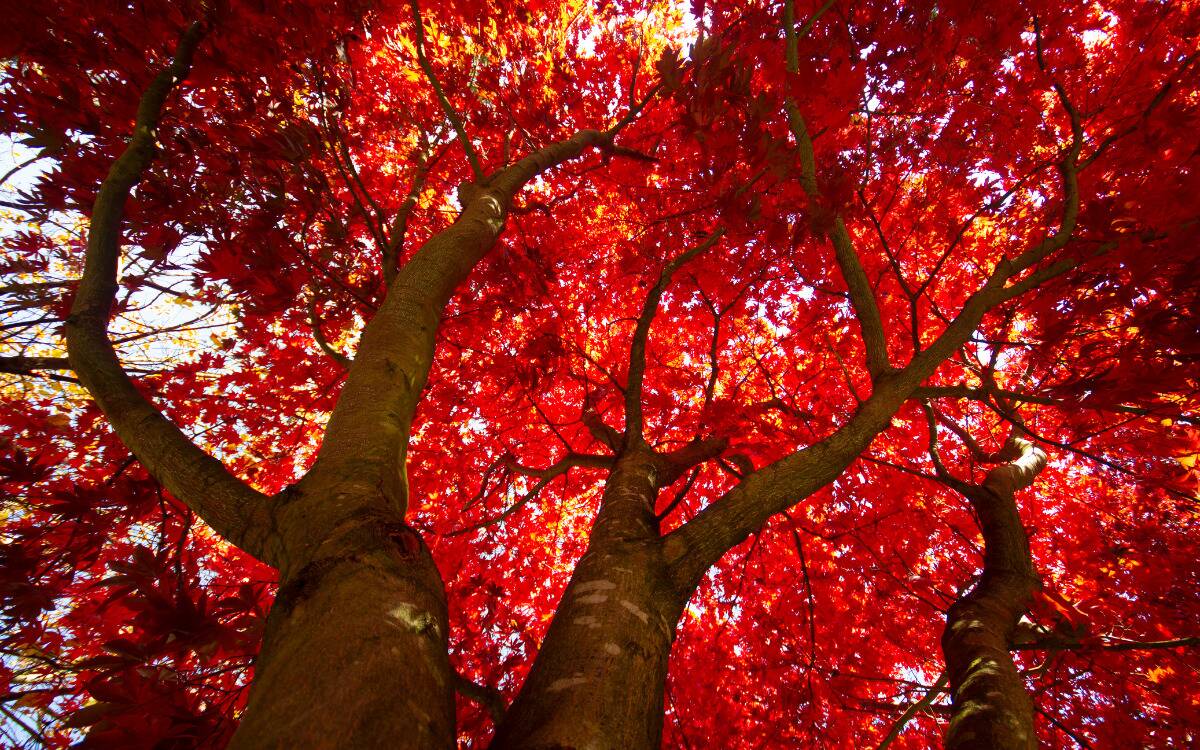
[
  {"x": 360, "y": 626},
  {"x": 991, "y": 707},
  {"x": 355, "y": 652},
  {"x": 367, "y": 436},
  {"x": 600, "y": 674}
]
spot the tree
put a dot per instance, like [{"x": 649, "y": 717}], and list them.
[{"x": 638, "y": 375}]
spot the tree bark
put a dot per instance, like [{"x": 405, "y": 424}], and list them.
[
  {"x": 991, "y": 707},
  {"x": 360, "y": 624},
  {"x": 236, "y": 511},
  {"x": 599, "y": 677},
  {"x": 355, "y": 650}
]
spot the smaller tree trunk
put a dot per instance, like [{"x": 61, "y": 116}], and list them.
[
  {"x": 991, "y": 707},
  {"x": 599, "y": 677}
]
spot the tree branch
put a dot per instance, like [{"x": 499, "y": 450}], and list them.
[
  {"x": 936, "y": 689},
  {"x": 545, "y": 477},
  {"x": 724, "y": 523},
  {"x": 983, "y": 394},
  {"x": 679, "y": 496},
  {"x": 314, "y": 321},
  {"x": 366, "y": 440},
  {"x": 233, "y": 509},
  {"x": 991, "y": 706},
  {"x": 600, "y": 429},
  {"x": 491, "y": 699},
  {"x": 792, "y": 36},
  {"x": 452, "y": 115},
  {"x": 20, "y": 365},
  {"x": 1058, "y": 643},
  {"x": 862, "y": 298},
  {"x": 637, "y": 349},
  {"x": 399, "y": 229},
  {"x": 942, "y": 474}
]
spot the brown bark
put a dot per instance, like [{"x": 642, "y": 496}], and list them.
[
  {"x": 360, "y": 626},
  {"x": 726, "y": 522},
  {"x": 234, "y": 510},
  {"x": 599, "y": 676},
  {"x": 367, "y": 436},
  {"x": 729, "y": 520},
  {"x": 355, "y": 650},
  {"x": 991, "y": 707},
  {"x": 26, "y": 365},
  {"x": 686, "y": 553}
]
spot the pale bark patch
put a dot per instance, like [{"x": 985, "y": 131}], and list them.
[
  {"x": 645, "y": 618},
  {"x": 597, "y": 585},
  {"x": 414, "y": 619},
  {"x": 566, "y": 683}
]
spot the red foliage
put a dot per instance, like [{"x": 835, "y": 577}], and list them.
[{"x": 298, "y": 136}]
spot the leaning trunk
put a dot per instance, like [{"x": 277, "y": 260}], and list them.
[
  {"x": 599, "y": 677},
  {"x": 991, "y": 707}
]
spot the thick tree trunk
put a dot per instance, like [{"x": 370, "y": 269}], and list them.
[
  {"x": 355, "y": 651},
  {"x": 599, "y": 677},
  {"x": 991, "y": 708}
]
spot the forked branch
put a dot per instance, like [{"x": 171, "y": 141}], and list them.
[
  {"x": 545, "y": 477},
  {"x": 862, "y": 298},
  {"x": 701, "y": 542},
  {"x": 637, "y": 349},
  {"x": 314, "y": 322}
]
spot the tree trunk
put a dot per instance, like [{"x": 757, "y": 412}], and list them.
[
  {"x": 599, "y": 677},
  {"x": 991, "y": 708},
  {"x": 355, "y": 650},
  {"x": 360, "y": 626}
]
